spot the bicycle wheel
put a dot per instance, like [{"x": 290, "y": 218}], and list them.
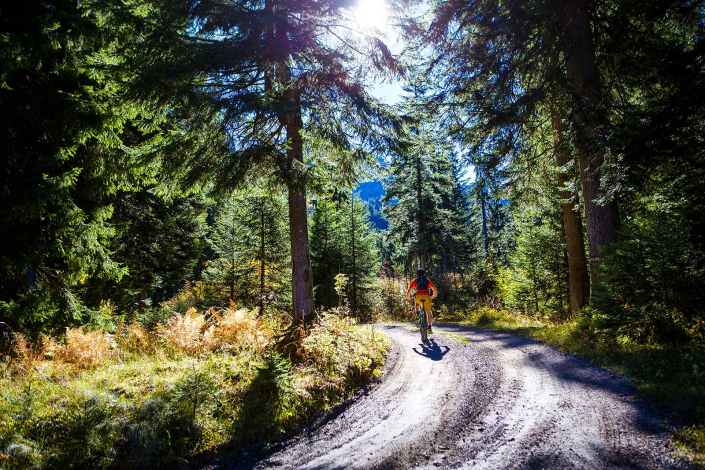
[{"x": 424, "y": 325}]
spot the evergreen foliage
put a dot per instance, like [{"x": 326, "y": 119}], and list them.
[
  {"x": 539, "y": 272},
  {"x": 424, "y": 200},
  {"x": 265, "y": 79},
  {"x": 119, "y": 119},
  {"x": 654, "y": 274},
  {"x": 492, "y": 220},
  {"x": 158, "y": 242},
  {"x": 248, "y": 239},
  {"x": 62, "y": 130},
  {"x": 342, "y": 242},
  {"x": 512, "y": 92}
]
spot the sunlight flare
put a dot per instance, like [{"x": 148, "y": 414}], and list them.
[{"x": 371, "y": 14}]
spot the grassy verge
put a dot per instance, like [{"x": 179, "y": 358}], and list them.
[
  {"x": 200, "y": 386},
  {"x": 671, "y": 379}
]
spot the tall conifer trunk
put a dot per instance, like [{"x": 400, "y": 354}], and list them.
[
  {"x": 290, "y": 119},
  {"x": 602, "y": 221},
  {"x": 302, "y": 280},
  {"x": 578, "y": 280},
  {"x": 262, "y": 264},
  {"x": 352, "y": 238},
  {"x": 484, "y": 224}
]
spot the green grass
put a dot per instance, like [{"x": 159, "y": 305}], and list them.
[
  {"x": 670, "y": 379},
  {"x": 166, "y": 407}
]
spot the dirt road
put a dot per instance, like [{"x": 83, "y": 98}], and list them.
[{"x": 475, "y": 398}]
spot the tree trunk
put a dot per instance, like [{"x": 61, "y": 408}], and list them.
[
  {"x": 578, "y": 280},
  {"x": 484, "y": 225},
  {"x": 352, "y": 240},
  {"x": 602, "y": 221},
  {"x": 262, "y": 264},
  {"x": 291, "y": 120},
  {"x": 143, "y": 298},
  {"x": 302, "y": 281}
]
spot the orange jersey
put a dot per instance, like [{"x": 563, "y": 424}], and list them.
[{"x": 423, "y": 291}]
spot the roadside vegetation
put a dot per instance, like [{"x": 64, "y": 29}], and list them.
[{"x": 197, "y": 385}]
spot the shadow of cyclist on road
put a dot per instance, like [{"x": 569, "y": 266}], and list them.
[{"x": 432, "y": 351}]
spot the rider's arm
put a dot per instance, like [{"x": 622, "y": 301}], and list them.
[
  {"x": 431, "y": 286},
  {"x": 411, "y": 287}
]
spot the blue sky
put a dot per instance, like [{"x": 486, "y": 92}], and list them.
[
  {"x": 372, "y": 13},
  {"x": 390, "y": 93}
]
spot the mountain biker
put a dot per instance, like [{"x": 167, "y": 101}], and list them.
[{"x": 422, "y": 284}]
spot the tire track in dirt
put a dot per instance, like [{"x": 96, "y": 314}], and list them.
[{"x": 499, "y": 401}]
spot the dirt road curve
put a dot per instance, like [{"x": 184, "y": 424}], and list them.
[{"x": 498, "y": 401}]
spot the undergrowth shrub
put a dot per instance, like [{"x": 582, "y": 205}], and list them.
[
  {"x": 134, "y": 338},
  {"x": 655, "y": 277},
  {"x": 185, "y": 332},
  {"x": 239, "y": 327},
  {"x": 85, "y": 349},
  {"x": 391, "y": 303},
  {"x": 195, "y": 332},
  {"x": 30, "y": 353},
  {"x": 337, "y": 350},
  {"x": 207, "y": 381}
]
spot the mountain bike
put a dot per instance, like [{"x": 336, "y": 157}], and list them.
[{"x": 424, "y": 321}]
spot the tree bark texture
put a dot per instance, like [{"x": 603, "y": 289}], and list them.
[
  {"x": 302, "y": 280},
  {"x": 262, "y": 263},
  {"x": 290, "y": 118},
  {"x": 578, "y": 280},
  {"x": 352, "y": 239},
  {"x": 484, "y": 225},
  {"x": 602, "y": 221}
]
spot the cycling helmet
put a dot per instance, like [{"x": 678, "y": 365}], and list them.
[{"x": 420, "y": 272}]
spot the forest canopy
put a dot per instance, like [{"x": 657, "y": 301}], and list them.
[{"x": 546, "y": 157}]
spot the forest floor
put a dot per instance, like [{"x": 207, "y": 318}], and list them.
[
  {"x": 192, "y": 390},
  {"x": 486, "y": 399}
]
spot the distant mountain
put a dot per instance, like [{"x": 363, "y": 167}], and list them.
[{"x": 371, "y": 193}]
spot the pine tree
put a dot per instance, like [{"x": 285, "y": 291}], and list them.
[
  {"x": 248, "y": 239},
  {"x": 158, "y": 242},
  {"x": 61, "y": 136},
  {"x": 342, "y": 242},
  {"x": 267, "y": 74},
  {"x": 459, "y": 245},
  {"x": 539, "y": 276},
  {"x": 509, "y": 59},
  {"x": 425, "y": 202},
  {"x": 327, "y": 247},
  {"x": 362, "y": 258}
]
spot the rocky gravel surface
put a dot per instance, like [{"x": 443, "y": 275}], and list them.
[{"x": 474, "y": 398}]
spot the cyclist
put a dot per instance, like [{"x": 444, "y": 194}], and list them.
[{"x": 422, "y": 284}]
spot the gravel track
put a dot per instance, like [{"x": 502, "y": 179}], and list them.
[{"x": 474, "y": 398}]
